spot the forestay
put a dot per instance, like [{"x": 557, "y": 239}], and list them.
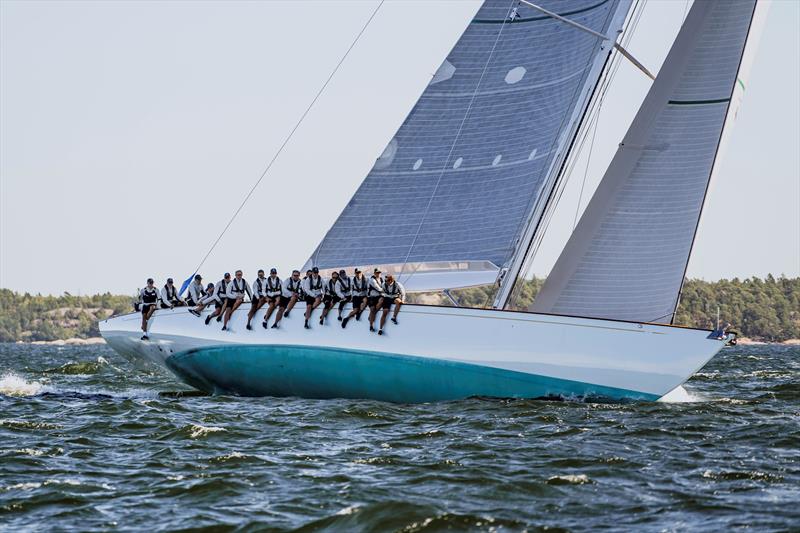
[
  {"x": 450, "y": 195},
  {"x": 627, "y": 257}
]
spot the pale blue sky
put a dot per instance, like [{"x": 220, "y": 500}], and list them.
[{"x": 130, "y": 132}]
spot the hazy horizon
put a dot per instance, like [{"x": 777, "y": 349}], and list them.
[{"x": 130, "y": 132}]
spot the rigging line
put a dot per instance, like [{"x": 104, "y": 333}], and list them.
[
  {"x": 288, "y": 137},
  {"x": 595, "y": 108},
  {"x": 552, "y": 158},
  {"x": 455, "y": 141},
  {"x": 586, "y": 170}
]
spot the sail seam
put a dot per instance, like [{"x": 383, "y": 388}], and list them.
[
  {"x": 541, "y": 17},
  {"x": 699, "y": 102}
]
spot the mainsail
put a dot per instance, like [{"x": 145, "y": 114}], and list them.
[
  {"x": 627, "y": 257},
  {"x": 449, "y": 197}
]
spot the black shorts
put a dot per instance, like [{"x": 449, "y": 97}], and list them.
[
  {"x": 272, "y": 299},
  {"x": 310, "y": 300},
  {"x": 218, "y": 304},
  {"x": 372, "y": 301},
  {"x": 190, "y": 302},
  {"x": 146, "y": 308},
  {"x": 284, "y": 301},
  {"x": 331, "y": 299},
  {"x": 387, "y": 303},
  {"x": 357, "y": 301},
  {"x": 232, "y": 301}
]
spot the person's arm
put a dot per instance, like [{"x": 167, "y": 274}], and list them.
[
  {"x": 247, "y": 290},
  {"x": 255, "y": 290},
  {"x": 402, "y": 291},
  {"x": 164, "y": 298},
  {"x": 339, "y": 290}
]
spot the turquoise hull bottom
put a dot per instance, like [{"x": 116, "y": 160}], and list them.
[{"x": 320, "y": 372}]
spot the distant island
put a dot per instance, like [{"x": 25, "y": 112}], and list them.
[{"x": 765, "y": 310}]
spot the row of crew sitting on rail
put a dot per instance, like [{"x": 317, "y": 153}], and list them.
[{"x": 282, "y": 295}]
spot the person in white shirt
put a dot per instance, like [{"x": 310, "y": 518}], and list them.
[
  {"x": 333, "y": 295},
  {"x": 290, "y": 293},
  {"x": 210, "y": 296},
  {"x": 148, "y": 298},
  {"x": 374, "y": 292},
  {"x": 221, "y": 290},
  {"x": 259, "y": 296},
  {"x": 274, "y": 290},
  {"x": 196, "y": 291},
  {"x": 345, "y": 283},
  {"x": 169, "y": 296},
  {"x": 312, "y": 287},
  {"x": 393, "y": 293},
  {"x": 358, "y": 295},
  {"x": 237, "y": 288}
]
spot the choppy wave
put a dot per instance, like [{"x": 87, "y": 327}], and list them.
[{"x": 88, "y": 438}]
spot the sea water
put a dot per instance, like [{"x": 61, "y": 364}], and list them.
[{"x": 87, "y": 442}]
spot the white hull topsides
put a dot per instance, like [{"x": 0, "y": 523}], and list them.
[{"x": 638, "y": 360}]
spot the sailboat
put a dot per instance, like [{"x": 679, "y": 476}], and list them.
[{"x": 460, "y": 198}]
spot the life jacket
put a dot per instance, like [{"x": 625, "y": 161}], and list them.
[
  {"x": 360, "y": 286},
  {"x": 293, "y": 285},
  {"x": 271, "y": 287},
  {"x": 372, "y": 291},
  {"x": 223, "y": 289},
  {"x": 332, "y": 287},
  {"x": 149, "y": 296},
  {"x": 317, "y": 286},
  {"x": 172, "y": 295},
  {"x": 236, "y": 287},
  {"x": 260, "y": 285},
  {"x": 391, "y": 289},
  {"x": 345, "y": 283}
]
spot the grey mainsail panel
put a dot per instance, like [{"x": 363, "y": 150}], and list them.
[
  {"x": 461, "y": 175},
  {"x": 627, "y": 257}
]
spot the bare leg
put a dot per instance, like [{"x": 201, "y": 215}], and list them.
[
  {"x": 383, "y": 317},
  {"x": 254, "y": 307},
  {"x": 230, "y": 312},
  {"x": 397, "y": 305},
  {"x": 292, "y": 301},
  {"x": 373, "y": 311},
  {"x": 270, "y": 309},
  {"x": 341, "y": 306}
]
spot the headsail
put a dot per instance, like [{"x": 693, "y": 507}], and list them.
[
  {"x": 627, "y": 257},
  {"x": 449, "y": 196}
]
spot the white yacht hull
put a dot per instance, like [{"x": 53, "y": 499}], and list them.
[{"x": 435, "y": 353}]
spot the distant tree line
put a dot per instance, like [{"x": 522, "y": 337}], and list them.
[
  {"x": 25, "y": 317},
  {"x": 764, "y": 309}
]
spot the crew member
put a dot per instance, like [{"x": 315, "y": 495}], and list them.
[
  {"x": 259, "y": 297},
  {"x": 374, "y": 291},
  {"x": 358, "y": 292},
  {"x": 221, "y": 290},
  {"x": 196, "y": 291},
  {"x": 273, "y": 292},
  {"x": 210, "y": 297},
  {"x": 149, "y": 298},
  {"x": 290, "y": 293},
  {"x": 237, "y": 288},
  {"x": 393, "y": 293},
  {"x": 346, "y": 286},
  {"x": 312, "y": 288},
  {"x": 169, "y": 296},
  {"x": 333, "y": 295}
]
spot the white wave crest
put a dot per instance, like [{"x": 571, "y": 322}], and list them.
[
  {"x": 680, "y": 395},
  {"x": 12, "y": 384},
  {"x": 198, "y": 431}
]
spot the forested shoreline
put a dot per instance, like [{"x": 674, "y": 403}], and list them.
[{"x": 765, "y": 309}]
